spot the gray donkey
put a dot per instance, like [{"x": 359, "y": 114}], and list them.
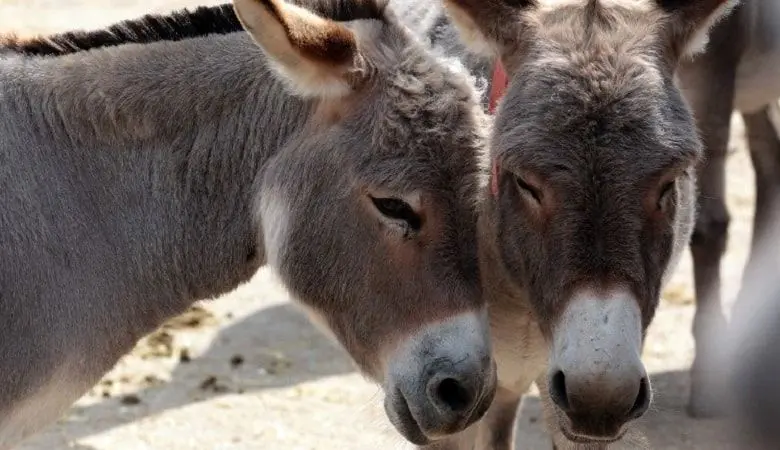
[
  {"x": 740, "y": 69},
  {"x": 590, "y": 201},
  {"x": 752, "y": 343},
  {"x": 163, "y": 160}
]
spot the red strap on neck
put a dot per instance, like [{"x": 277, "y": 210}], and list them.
[{"x": 498, "y": 86}]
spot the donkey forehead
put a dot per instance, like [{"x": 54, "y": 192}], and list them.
[
  {"x": 641, "y": 5},
  {"x": 600, "y": 104},
  {"x": 428, "y": 129},
  {"x": 561, "y": 128},
  {"x": 571, "y": 31},
  {"x": 581, "y": 70},
  {"x": 612, "y": 14},
  {"x": 420, "y": 173}
]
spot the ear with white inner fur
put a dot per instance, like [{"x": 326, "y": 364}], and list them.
[
  {"x": 488, "y": 27},
  {"x": 317, "y": 57},
  {"x": 689, "y": 22}
]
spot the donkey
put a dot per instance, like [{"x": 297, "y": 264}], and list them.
[
  {"x": 740, "y": 69},
  {"x": 755, "y": 394},
  {"x": 590, "y": 200},
  {"x": 164, "y": 160},
  {"x": 752, "y": 343}
]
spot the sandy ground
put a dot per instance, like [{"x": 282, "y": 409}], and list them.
[{"x": 247, "y": 371}]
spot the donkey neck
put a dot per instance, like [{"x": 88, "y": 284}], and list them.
[{"x": 164, "y": 144}]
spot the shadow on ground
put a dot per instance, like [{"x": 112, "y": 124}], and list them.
[
  {"x": 279, "y": 348},
  {"x": 668, "y": 426},
  {"x": 276, "y": 347}
]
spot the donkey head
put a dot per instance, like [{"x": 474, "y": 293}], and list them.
[
  {"x": 592, "y": 192},
  {"x": 369, "y": 215}
]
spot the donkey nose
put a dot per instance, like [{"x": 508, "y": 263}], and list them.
[
  {"x": 599, "y": 406},
  {"x": 443, "y": 380},
  {"x": 597, "y": 377},
  {"x": 451, "y": 394}
]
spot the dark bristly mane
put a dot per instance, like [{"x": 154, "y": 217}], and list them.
[{"x": 176, "y": 26}]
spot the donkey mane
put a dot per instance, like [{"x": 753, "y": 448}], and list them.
[{"x": 175, "y": 26}]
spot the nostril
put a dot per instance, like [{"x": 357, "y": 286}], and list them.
[
  {"x": 558, "y": 392},
  {"x": 642, "y": 402},
  {"x": 454, "y": 395}
]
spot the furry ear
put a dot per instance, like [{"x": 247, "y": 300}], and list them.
[
  {"x": 314, "y": 55},
  {"x": 488, "y": 27},
  {"x": 686, "y": 31}
]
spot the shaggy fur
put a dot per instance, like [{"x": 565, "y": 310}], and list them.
[
  {"x": 595, "y": 155},
  {"x": 140, "y": 178},
  {"x": 736, "y": 69}
]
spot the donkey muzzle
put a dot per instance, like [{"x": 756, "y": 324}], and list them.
[
  {"x": 442, "y": 379},
  {"x": 597, "y": 380}
]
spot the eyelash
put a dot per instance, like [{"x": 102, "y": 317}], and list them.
[
  {"x": 399, "y": 210},
  {"x": 532, "y": 191}
]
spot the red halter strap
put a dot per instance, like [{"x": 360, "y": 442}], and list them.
[{"x": 498, "y": 86}]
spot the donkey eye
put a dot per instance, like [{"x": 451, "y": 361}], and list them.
[
  {"x": 397, "y": 209},
  {"x": 666, "y": 191},
  {"x": 528, "y": 189}
]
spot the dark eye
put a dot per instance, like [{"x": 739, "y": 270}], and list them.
[
  {"x": 528, "y": 189},
  {"x": 397, "y": 209},
  {"x": 666, "y": 191}
]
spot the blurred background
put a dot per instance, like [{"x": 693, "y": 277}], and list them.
[{"x": 247, "y": 371}]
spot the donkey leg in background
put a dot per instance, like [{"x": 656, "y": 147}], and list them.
[
  {"x": 496, "y": 431},
  {"x": 708, "y": 84},
  {"x": 762, "y": 129},
  {"x": 754, "y": 334}
]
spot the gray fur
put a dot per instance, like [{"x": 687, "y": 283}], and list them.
[
  {"x": 429, "y": 22},
  {"x": 594, "y": 122},
  {"x": 751, "y": 358},
  {"x": 737, "y": 70},
  {"x": 135, "y": 180}
]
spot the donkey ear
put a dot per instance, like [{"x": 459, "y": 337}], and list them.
[
  {"x": 488, "y": 27},
  {"x": 314, "y": 55},
  {"x": 689, "y": 23}
]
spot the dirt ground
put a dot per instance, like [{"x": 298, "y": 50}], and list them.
[{"x": 247, "y": 371}]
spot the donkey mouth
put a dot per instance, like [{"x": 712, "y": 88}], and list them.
[
  {"x": 402, "y": 418},
  {"x": 579, "y": 438},
  {"x": 397, "y": 409}
]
